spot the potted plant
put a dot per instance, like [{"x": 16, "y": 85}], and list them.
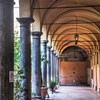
[
  {"x": 44, "y": 90},
  {"x": 53, "y": 85}
]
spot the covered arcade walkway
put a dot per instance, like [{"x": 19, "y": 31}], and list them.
[
  {"x": 74, "y": 93},
  {"x": 59, "y": 42}
]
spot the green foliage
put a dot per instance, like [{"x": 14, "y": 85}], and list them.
[
  {"x": 19, "y": 74},
  {"x": 53, "y": 83},
  {"x": 43, "y": 83},
  {"x": 33, "y": 94},
  {"x": 44, "y": 58},
  {"x": 17, "y": 85},
  {"x": 16, "y": 50}
]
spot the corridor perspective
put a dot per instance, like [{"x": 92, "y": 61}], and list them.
[
  {"x": 74, "y": 93},
  {"x": 49, "y": 43}
]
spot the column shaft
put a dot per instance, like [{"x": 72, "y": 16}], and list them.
[
  {"x": 95, "y": 70},
  {"x": 52, "y": 62},
  {"x": 99, "y": 69},
  {"x": 58, "y": 69},
  {"x": 6, "y": 49},
  {"x": 44, "y": 61},
  {"x": 48, "y": 66},
  {"x": 25, "y": 57},
  {"x": 36, "y": 67},
  {"x": 54, "y": 68}
]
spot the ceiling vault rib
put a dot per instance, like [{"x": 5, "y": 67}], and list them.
[
  {"x": 73, "y": 41},
  {"x": 69, "y": 57},
  {"x": 59, "y": 24},
  {"x": 73, "y": 34},
  {"x": 67, "y": 7},
  {"x": 80, "y": 45},
  {"x": 81, "y": 22}
]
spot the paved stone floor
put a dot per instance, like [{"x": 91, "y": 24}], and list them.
[{"x": 74, "y": 93}]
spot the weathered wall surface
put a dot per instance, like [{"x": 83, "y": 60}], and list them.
[{"x": 73, "y": 73}]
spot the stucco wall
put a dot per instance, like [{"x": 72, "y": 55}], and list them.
[{"x": 73, "y": 73}]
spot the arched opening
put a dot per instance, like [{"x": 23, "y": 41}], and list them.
[{"x": 74, "y": 67}]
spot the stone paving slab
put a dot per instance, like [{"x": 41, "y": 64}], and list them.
[{"x": 74, "y": 93}]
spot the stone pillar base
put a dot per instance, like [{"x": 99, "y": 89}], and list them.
[
  {"x": 96, "y": 88},
  {"x": 38, "y": 98},
  {"x": 99, "y": 90}
]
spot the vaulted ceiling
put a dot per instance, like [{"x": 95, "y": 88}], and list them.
[{"x": 65, "y": 18}]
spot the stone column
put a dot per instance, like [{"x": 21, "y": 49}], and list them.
[
  {"x": 56, "y": 71},
  {"x": 99, "y": 68},
  {"x": 6, "y": 49},
  {"x": 25, "y": 57},
  {"x": 57, "y": 68},
  {"x": 36, "y": 65},
  {"x": 96, "y": 87},
  {"x": 54, "y": 67},
  {"x": 52, "y": 64},
  {"x": 48, "y": 66},
  {"x": 44, "y": 61},
  {"x": 95, "y": 70}
]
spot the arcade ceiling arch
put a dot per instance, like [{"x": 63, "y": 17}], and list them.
[{"x": 62, "y": 19}]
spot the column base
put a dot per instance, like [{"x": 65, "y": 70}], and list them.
[
  {"x": 96, "y": 88},
  {"x": 38, "y": 98},
  {"x": 93, "y": 85}
]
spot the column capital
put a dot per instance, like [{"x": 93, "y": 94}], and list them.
[
  {"x": 44, "y": 41},
  {"x": 57, "y": 55},
  {"x": 49, "y": 47},
  {"x": 36, "y": 33},
  {"x": 25, "y": 20},
  {"x": 52, "y": 51}
]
